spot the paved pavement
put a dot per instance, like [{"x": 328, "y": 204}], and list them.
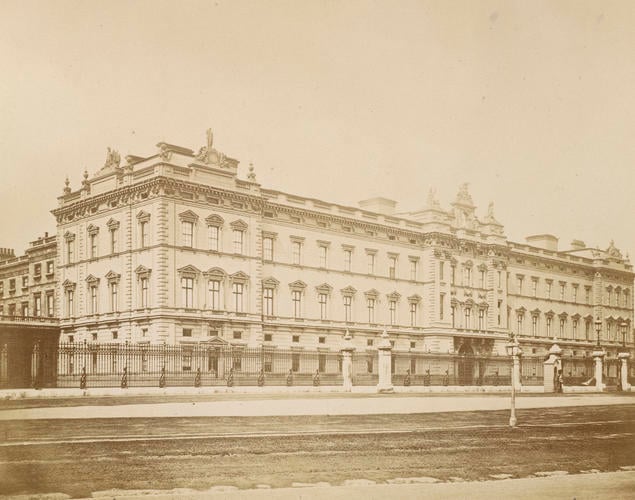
[
  {"x": 613, "y": 485},
  {"x": 311, "y": 406}
]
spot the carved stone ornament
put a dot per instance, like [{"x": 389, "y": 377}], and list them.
[
  {"x": 433, "y": 201},
  {"x": 208, "y": 155},
  {"x": 463, "y": 196},
  {"x": 164, "y": 153},
  {"x": 612, "y": 251}
]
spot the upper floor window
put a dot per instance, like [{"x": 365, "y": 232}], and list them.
[
  {"x": 214, "y": 238},
  {"x": 482, "y": 278},
  {"x": 323, "y": 301},
  {"x": 187, "y": 292},
  {"x": 534, "y": 287},
  {"x": 50, "y": 305},
  {"x": 370, "y": 305},
  {"x": 348, "y": 302},
  {"x": 37, "y": 269},
  {"x": 267, "y": 297},
  {"x": 371, "y": 263},
  {"x": 453, "y": 275},
  {"x": 267, "y": 246},
  {"x": 296, "y": 252},
  {"x": 296, "y": 298},
  {"x": 574, "y": 293},
  {"x": 94, "y": 302},
  {"x": 49, "y": 267},
  {"x": 348, "y": 259},
  {"x": 187, "y": 229},
  {"x": 467, "y": 276},
  {"x": 562, "y": 290},
  {"x": 237, "y": 292},
  {"x": 239, "y": 237},
  {"x": 37, "y": 305},
  {"x": 323, "y": 253},
  {"x": 144, "y": 292},
  {"x": 413, "y": 313},
  {"x": 392, "y": 310},
  {"x": 587, "y": 295},
  {"x": 114, "y": 292},
  {"x": 519, "y": 285},
  {"x": 144, "y": 236},
  {"x": 25, "y": 281},
  {"x": 69, "y": 251},
  {"x": 392, "y": 267},
  {"x": 548, "y": 289},
  {"x": 441, "y": 270},
  {"x": 481, "y": 319},
  {"x": 214, "y": 294}
]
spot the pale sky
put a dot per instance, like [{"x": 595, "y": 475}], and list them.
[{"x": 531, "y": 102}]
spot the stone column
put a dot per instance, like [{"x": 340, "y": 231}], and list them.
[
  {"x": 35, "y": 366},
  {"x": 599, "y": 366},
  {"x": 384, "y": 348},
  {"x": 551, "y": 366},
  {"x": 623, "y": 357},
  {"x": 347, "y": 362}
]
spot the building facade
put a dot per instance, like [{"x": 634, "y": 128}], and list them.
[{"x": 174, "y": 248}]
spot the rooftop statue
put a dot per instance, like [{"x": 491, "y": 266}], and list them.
[
  {"x": 612, "y": 251},
  {"x": 463, "y": 196},
  {"x": 433, "y": 201}
]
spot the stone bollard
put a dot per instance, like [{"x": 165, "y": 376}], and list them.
[
  {"x": 384, "y": 348},
  {"x": 347, "y": 362},
  {"x": 598, "y": 356},
  {"x": 624, "y": 357},
  {"x": 551, "y": 366}
]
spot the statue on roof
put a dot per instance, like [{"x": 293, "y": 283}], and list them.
[
  {"x": 112, "y": 159},
  {"x": 433, "y": 201},
  {"x": 463, "y": 196},
  {"x": 489, "y": 218},
  {"x": 612, "y": 251}
]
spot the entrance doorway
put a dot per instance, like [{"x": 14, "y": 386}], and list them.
[{"x": 466, "y": 365}]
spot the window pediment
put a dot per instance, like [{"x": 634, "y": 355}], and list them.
[
  {"x": 576, "y": 316},
  {"x": 483, "y": 305},
  {"x": 521, "y": 310},
  {"x": 563, "y": 315},
  {"x": 394, "y": 296},
  {"x": 92, "y": 229},
  {"x": 68, "y": 236},
  {"x": 188, "y": 216},
  {"x": 324, "y": 288},
  {"x": 239, "y": 225},
  {"x": 297, "y": 285},
  {"x": 92, "y": 280},
  {"x": 482, "y": 268},
  {"x": 113, "y": 224},
  {"x": 143, "y": 216},
  {"x": 214, "y": 220},
  {"x": 188, "y": 271},
  {"x": 550, "y": 314},
  {"x": 113, "y": 277},
  {"x": 535, "y": 312},
  {"x": 239, "y": 277},
  {"x": 270, "y": 282},
  {"x": 69, "y": 285},
  {"x": 371, "y": 294},
  {"x": 215, "y": 273},
  {"x": 349, "y": 291},
  {"x": 415, "y": 299},
  {"x": 142, "y": 271}
]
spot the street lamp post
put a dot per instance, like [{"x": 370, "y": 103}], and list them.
[
  {"x": 624, "y": 325},
  {"x": 598, "y": 329},
  {"x": 513, "y": 350}
]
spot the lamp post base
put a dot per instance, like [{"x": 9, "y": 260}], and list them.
[{"x": 512, "y": 421}]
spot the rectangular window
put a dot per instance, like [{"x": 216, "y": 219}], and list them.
[
  {"x": 561, "y": 328},
  {"x": 468, "y": 318},
  {"x": 371, "y": 263},
  {"x": 347, "y": 308},
  {"x": 548, "y": 291},
  {"x": 187, "y": 292},
  {"x": 69, "y": 252},
  {"x": 499, "y": 312},
  {"x": 113, "y": 296},
  {"x": 25, "y": 281},
  {"x": 587, "y": 295},
  {"x": 93, "y": 299},
  {"x": 268, "y": 301},
  {"x": 267, "y": 245},
  {"x": 49, "y": 267},
  {"x": 575, "y": 328},
  {"x": 413, "y": 314},
  {"x": 500, "y": 279},
  {"x": 70, "y": 305},
  {"x": 348, "y": 259},
  {"x": 392, "y": 267},
  {"x": 11, "y": 309},
  {"x": 37, "y": 269},
  {"x": 93, "y": 246},
  {"x": 238, "y": 335},
  {"x": 548, "y": 327},
  {"x": 187, "y": 231},
  {"x": 143, "y": 234},
  {"x": 268, "y": 338},
  {"x": 115, "y": 335},
  {"x": 321, "y": 340},
  {"x": 295, "y": 339},
  {"x": 392, "y": 308},
  {"x": 441, "y": 305},
  {"x": 441, "y": 270},
  {"x": 520, "y": 318},
  {"x": 296, "y": 252},
  {"x": 296, "y": 298},
  {"x": 144, "y": 293},
  {"x": 519, "y": 285},
  {"x": 323, "y": 251},
  {"x": 214, "y": 238},
  {"x": 113, "y": 241},
  {"x": 187, "y": 332},
  {"x": 50, "y": 305},
  {"x": 534, "y": 288},
  {"x": 37, "y": 305},
  {"x": 237, "y": 292},
  {"x": 413, "y": 269},
  {"x": 534, "y": 325},
  {"x": 214, "y": 295},
  {"x": 453, "y": 275},
  {"x": 562, "y": 289},
  {"x": 587, "y": 329},
  {"x": 482, "y": 278},
  {"x": 467, "y": 276},
  {"x": 481, "y": 319},
  {"x": 370, "y": 305},
  {"x": 323, "y": 301},
  {"x": 453, "y": 315},
  {"x": 12, "y": 285},
  {"x": 574, "y": 296},
  {"x": 239, "y": 241}
]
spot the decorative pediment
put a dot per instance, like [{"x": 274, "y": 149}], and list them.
[
  {"x": 188, "y": 271},
  {"x": 483, "y": 305},
  {"x": 239, "y": 277},
  {"x": 142, "y": 271},
  {"x": 113, "y": 277},
  {"x": 92, "y": 229},
  {"x": 324, "y": 288},
  {"x": 521, "y": 310},
  {"x": 394, "y": 296},
  {"x": 550, "y": 314},
  {"x": 563, "y": 315},
  {"x": 468, "y": 263},
  {"x": 297, "y": 285},
  {"x": 68, "y": 236},
  {"x": 215, "y": 273},
  {"x": 69, "y": 285},
  {"x": 576, "y": 317},
  {"x": 468, "y": 303},
  {"x": 270, "y": 282},
  {"x": 92, "y": 280},
  {"x": 214, "y": 220},
  {"x": 112, "y": 224},
  {"x": 416, "y": 298},
  {"x": 349, "y": 291},
  {"x": 535, "y": 312},
  {"x": 588, "y": 317},
  {"x": 143, "y": 216},
  {"x": 482, "y": 267},
  {"x": 188, "y": 216},
  {"x": 215, "y": 341},
  {"x": 371, "y": 294},
  {"x": 239, "y": 225}
]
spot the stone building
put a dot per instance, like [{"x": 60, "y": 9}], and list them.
[{"x": 175, "y": 248}]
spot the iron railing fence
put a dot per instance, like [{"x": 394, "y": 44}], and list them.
[
  {"x": 113, "y": 365},
  {"x": 577, "y": 371},
  {"x": 434, "y": 369},
  {"x": 532, "y": 370}
]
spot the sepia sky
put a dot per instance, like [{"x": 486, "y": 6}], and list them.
[{"x": 532, "y": 103}]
